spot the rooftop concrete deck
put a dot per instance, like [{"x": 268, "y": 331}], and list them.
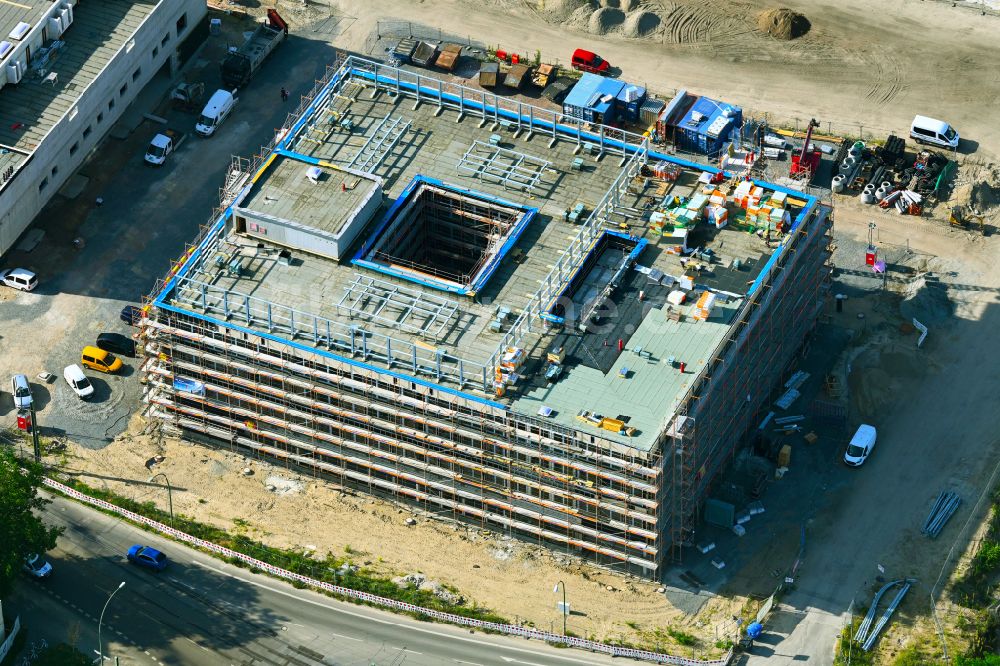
[
  {"x": 644, "y": 381},
  {"x": 31, "y": 108}
]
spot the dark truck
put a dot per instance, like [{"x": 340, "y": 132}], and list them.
[{"x": 244, "y": 62}]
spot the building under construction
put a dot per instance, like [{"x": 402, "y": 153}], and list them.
[{"x": 488, "y": 310}]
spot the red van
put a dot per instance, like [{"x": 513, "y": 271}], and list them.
[{"x": 588, "y": 61}]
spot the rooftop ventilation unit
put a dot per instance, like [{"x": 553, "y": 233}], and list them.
[
  {"x": 66, "y": 16},
  {"x": 20, "y": 30},
  {"x": 55, "y": 28},
  {"x": 15, "y": 71}
]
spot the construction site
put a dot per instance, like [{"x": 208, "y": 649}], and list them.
[{"x": 491, "y": 311}]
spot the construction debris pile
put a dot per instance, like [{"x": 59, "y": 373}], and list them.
[
  {"x": 866, "y": 633},
  {"x": 883, "y": 175},
  {"x": 945, "y": 505}
]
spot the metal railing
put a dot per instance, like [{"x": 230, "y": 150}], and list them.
[{"x": 276, "y": 319}]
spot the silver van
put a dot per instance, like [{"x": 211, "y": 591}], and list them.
[
  {"x": 937, "y": 132},
  {"x": 219, "y": 106}
]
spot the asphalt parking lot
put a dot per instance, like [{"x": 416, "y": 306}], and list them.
[{"x": 146, "y": 217}]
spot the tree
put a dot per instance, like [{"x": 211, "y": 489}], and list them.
[
  {"x": 22, "y": 531},
  {"x": 62, "y": 655}
]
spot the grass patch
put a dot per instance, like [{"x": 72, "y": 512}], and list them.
[
  {"x": 682, "y": 637},
  {"x": 849, "y": 652}
]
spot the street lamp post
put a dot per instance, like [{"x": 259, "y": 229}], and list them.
[
  {"x": 170, "y": 494},
  {"x": 565, "y": 608},
  {"x": 100, "y": 642}
]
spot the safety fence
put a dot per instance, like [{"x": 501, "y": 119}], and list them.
[
  {"x": 365, "y": 597},
  {"x": 9, "y": 642}
]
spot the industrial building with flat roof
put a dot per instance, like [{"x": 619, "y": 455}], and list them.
[
  {"x": 492, "y": 311},
  {"x": 67, "y": 73}
]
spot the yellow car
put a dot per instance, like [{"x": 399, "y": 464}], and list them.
[{"x": 98, "y": 359}]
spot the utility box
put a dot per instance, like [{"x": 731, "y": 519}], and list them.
[
  {"x": 785, "y": 455},
  {"x": 489, "y": 73}
]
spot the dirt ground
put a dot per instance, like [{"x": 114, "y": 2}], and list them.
[
  {"x": 855, "y": 68},
  {"x": 302, "y": 513}
]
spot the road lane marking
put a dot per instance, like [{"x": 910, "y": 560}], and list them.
[
  {"x": 410, "y": 627},
  {"x": 295, "y": 596},
  {"x": 470, "y": 663},
  {"x": 194, "y": 643},
  {"x": 350, "y": 638},
  {"x": 403, "y": 649}
]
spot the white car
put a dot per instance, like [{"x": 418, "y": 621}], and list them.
[
  {"x": 861, "y": 445},
  {"x": 22, "y": 392},
  {"x": 78, "y": 381},
  {"x": 19, "y": 278}
]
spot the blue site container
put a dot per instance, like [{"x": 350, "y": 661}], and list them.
[
  {"x": 593, "y": 98},
  {"x": 707, "y": 126},
  {"x": 630, "y": 99}
]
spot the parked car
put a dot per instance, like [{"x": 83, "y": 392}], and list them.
[
  {"x": 588, "y": 61},
  {"x": 22, "y": 392},
  {"x": 37, "y": 566},
  {"x": 19, "y": 278},
  {"x": 98, "y": 359},
  {"x": 861, "y": 445},
  {"x": 116, "y": 343},
  {"x": 145, "y": 556},
  {"x": 131, "y": 315},
  {"x": 78, "y": 381}
]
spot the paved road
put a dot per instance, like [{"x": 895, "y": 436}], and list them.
[{"x": 206, "y": 612}]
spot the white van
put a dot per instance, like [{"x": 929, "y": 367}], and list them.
[
  {"x": 937, "y": 132},
  {"x": 78, "y": 381},
  {"x": 219, "y": 106},
  {"x": 861, "y": 445},
  {"x": 19, "y": 278}
]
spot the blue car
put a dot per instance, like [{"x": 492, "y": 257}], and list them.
[{"x": 147, "y": 557}]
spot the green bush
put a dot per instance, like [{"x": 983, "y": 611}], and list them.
[
  {"x": 62, "y": 655},
  {"x": 987, "y": 559},
  {"x": 682, "y": 637},
  {"x": 987, "y": 660}
]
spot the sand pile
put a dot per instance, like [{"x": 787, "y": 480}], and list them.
[
  {"x": 984, "y": 195},
  {"x": 605, "y": 19},
  {"x": 926, "y": 302},
  {"x": 560, "y": 10},
  {"x": 783, "y": 23},
  {"x": 640, "y": 24},
  {"x": 630, "y": 5}
]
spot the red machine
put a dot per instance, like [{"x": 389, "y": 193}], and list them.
[
  {"x": 24, "y": 420},
  {"x": 806, "y": 162}
]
